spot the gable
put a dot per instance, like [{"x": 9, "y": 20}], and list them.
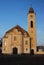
[{"x": 19, "y": 29}]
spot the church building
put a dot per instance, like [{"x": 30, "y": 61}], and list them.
[{"x": 17, "y": 40}]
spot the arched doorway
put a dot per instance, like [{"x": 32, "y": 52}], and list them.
[
  {"x": 15, "y": 50},
  {"x": 32, "y": 51}
]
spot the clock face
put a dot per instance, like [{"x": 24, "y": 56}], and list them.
[{"x": 31, "y": 15}]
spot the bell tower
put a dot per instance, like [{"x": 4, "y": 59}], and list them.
[{"x": 32, "y": 29}]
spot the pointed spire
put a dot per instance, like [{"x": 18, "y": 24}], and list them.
[{"x": 31, "y": 10}]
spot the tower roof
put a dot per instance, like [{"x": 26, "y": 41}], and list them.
[{"x": 31, "y": 10}]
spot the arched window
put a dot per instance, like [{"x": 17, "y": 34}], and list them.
[{"x": 31, "y": 24}]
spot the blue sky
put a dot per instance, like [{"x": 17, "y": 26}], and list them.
[{"x": 13, "y": 12}]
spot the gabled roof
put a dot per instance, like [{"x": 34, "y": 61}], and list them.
[{"x": 19, "y": 28}]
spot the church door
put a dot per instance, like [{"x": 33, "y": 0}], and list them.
[
  {"x": 15, "y": 50},
  {"x": 32, "y": 51}
]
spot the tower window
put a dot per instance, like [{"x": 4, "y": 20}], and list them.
[
  {"x": 31, "y": 16},
  {"x": 31, "y": 24}
]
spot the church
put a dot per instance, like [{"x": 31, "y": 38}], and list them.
[{"x": 17, "y": 40}]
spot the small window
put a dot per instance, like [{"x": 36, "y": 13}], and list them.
[
  {"x": 26, "y": 42},
  {"x": 14, "y": 38},
  {"x": 4, "y": 49},
  {"x": 31, "y": 15},
  {"x": 31, "y": 24},
  {"x": 26, "y": 49}
]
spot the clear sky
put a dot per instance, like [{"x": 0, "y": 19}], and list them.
[{"x": 13, "y": 12}]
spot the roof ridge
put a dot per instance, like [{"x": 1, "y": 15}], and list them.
[{"x": 19, "y": 29}]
